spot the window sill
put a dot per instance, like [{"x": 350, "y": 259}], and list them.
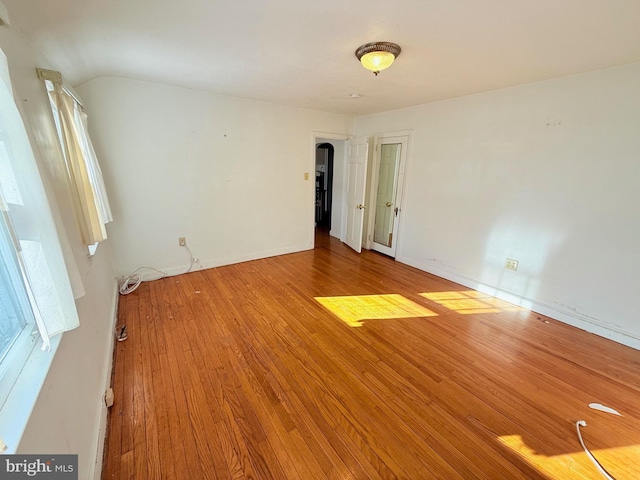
[{"x": 15, "y": 413}]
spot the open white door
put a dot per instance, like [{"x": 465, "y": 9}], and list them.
[
  {"x": 391, "y": 154},
  {"x": 356, "y": 180}
]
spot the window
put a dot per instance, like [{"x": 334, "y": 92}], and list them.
[
  {"x": 17, "y": 335},
  {"x": 36, "y": 301}
]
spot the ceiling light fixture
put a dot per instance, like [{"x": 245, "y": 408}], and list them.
[{"x": 377, "y": 56}]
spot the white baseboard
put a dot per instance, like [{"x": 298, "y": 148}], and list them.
[
  {"x": 232, "y": 259},
  {"x": 106, "y": 383},
  {"x": 583, "y": 322}
]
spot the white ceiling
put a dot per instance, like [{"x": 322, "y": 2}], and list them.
[{"x": 301, "y": 52}]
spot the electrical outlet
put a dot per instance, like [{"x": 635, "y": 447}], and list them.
[
  {"x": 511, "y": 264},
  {"x": 182, "y": 241}
]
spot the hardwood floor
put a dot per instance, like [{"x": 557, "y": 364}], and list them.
[{"x": 258, "y": 370}]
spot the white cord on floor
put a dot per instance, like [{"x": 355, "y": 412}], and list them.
[
  {"x": 605, "y": 474},
  {"x": 134, "y": 279}
]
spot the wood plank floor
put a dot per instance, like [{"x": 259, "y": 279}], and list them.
[{"x": 329, "y": 364}]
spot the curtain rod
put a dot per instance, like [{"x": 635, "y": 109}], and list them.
[
  {"x": 51, "y": 75},
  {"x": 56, "y": 78}
]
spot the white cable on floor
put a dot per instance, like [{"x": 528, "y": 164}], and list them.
[
  {"x": 582, "y": 423},
  {"x": 130, "y": 283},
  {"x": 134, "y": 279}
]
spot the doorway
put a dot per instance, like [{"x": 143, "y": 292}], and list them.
[
  {"x": 329, "y": 211},
  {"x": 324, "y": 185}
]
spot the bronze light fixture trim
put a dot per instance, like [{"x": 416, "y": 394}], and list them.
[{"x": 377, "y": 56}]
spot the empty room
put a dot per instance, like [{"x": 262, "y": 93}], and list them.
[{"x": 302, "y": 240}]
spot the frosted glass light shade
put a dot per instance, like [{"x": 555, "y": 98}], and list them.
[{"x": 377, "y": 61}]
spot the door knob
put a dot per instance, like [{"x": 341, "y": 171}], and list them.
[
  {"x": 360, "y": 207},
  {"x": 389, "y": 204}
]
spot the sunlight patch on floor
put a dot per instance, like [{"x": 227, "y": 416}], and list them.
[
  {"x": 353, "y": 310},
  {"x": 575, "y": 463},
  {"x": 471, "y": 302}
]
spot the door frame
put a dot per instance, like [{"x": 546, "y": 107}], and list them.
[
  {"x": 319, "y": 137},
  {"x": 379, "y": 139}
]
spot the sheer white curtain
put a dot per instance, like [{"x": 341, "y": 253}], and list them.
[
  {"x": 27, "y": 215},
  {"x": 83, "y": 172}
]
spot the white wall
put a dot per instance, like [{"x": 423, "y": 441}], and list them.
[
  {"x": 224, "y": 172},
  {"x": 69, "y": 414},
  {"x": 547, "y": 174}
]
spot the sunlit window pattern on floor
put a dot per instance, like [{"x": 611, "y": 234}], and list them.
[
  {"x": 614, "y": 460},
  {"x": 471, "y": 302},
  {"x": 353, "y": 310}
]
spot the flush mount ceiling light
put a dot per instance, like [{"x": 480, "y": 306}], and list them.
[{"x": 377, "y": 56}]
